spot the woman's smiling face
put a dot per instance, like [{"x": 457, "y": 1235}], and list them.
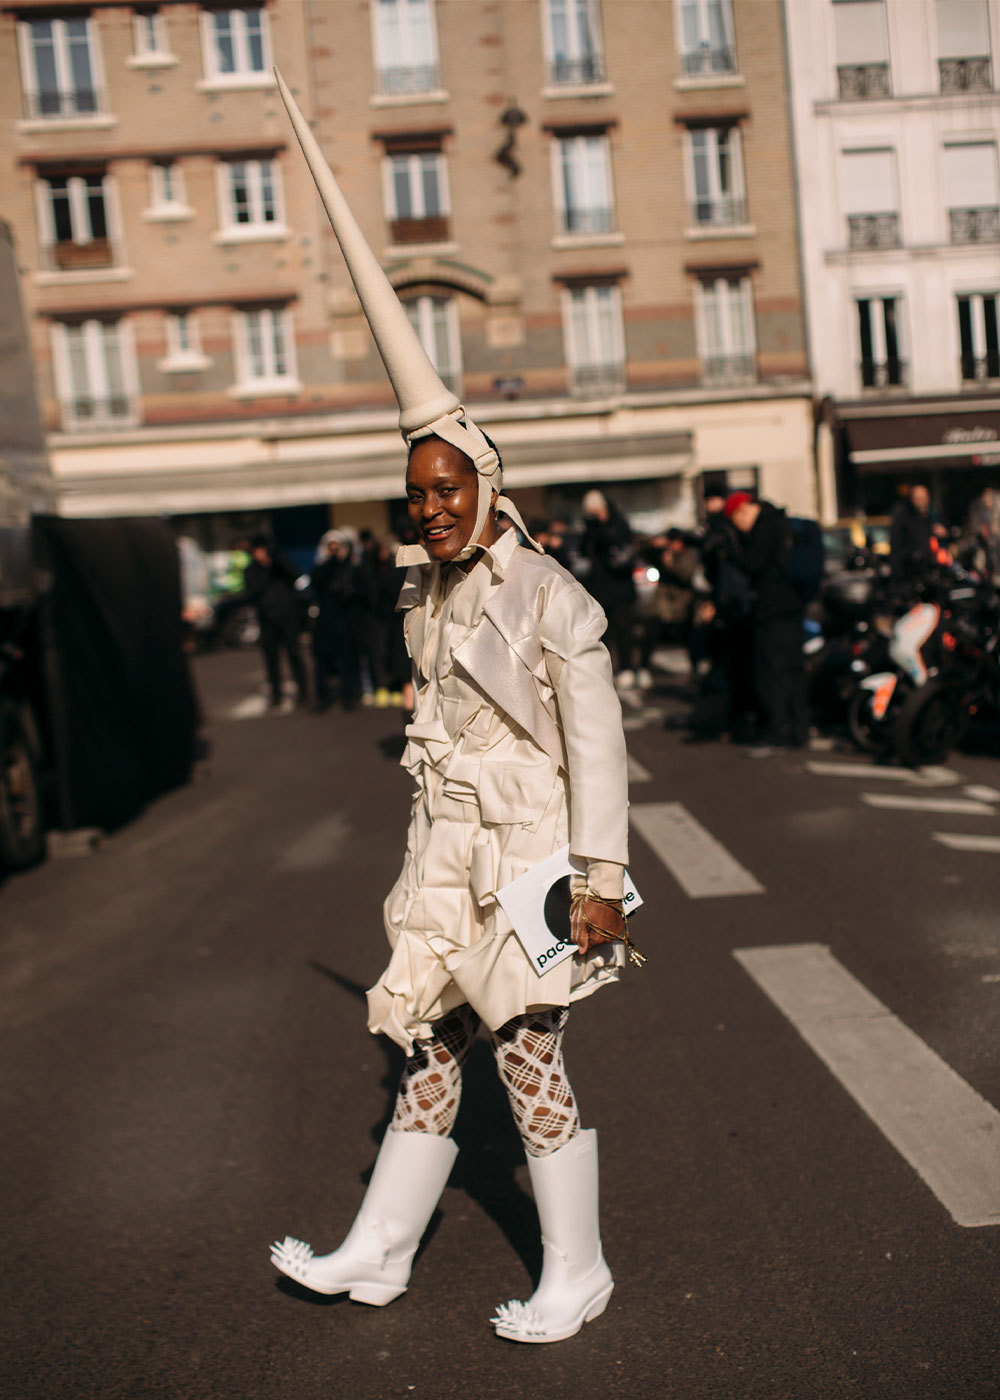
[{"x": 442, "y": 492}]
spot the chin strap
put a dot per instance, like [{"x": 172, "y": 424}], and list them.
[{"x": 459, "y": 430}]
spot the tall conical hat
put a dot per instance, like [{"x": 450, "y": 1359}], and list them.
[{"x": 426, "y": 405}]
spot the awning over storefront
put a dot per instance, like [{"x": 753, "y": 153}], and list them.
[
  {"x": 960, "y": 432},
  {"x": 249, "y": 472}
]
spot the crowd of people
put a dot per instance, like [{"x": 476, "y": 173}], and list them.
[{"x": 732, "y": 593}]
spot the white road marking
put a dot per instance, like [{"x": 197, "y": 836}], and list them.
[
  {"x": 636, "y": 772},
  {"x": 901, "y": 803},
  {"x": 981, "y": 792},
  {"x": 699, "y": 863},
  {"x": 947, "y": 1132},
  {"x": 922, "y": 777},
  {"x": 318, "y": 847},
  {"x": 251, "y": 708},
  {"x": 954, "y": 842}
]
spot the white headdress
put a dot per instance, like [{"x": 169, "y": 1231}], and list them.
[{"x": 426, "y": 405}]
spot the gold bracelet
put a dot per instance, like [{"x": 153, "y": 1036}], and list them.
[{"x": 618, "y": 906}]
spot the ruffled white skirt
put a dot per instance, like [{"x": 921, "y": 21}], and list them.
[{"x": 451, "y": 942}]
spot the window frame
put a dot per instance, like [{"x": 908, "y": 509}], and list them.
[
  {"x": 574, "y": 54},
  {"x": 242, "y": 76},
  {"x": 257, "y": 229},
  {"x": 424, "y": 227},
  {"x": 31, "y": 92},
  {"x": 94, "y": 352},
  {"x": 716, "y": 198},
  {"x": 705, "y": 325},
  {"x": 562, "y": 144},
  {"x": 586, "y": 372},
  {"x": 450, "y": 375},
  {"x": 699, "y": 70},
  {"x": 878, "y": 333},
  {"x": 978, "y": 351},
  {"x": 81, "y": 223},
  {"x": 180, "y": 357},
  {"x": 248, "y": 384},
  {"x": 380, "y": 40}
]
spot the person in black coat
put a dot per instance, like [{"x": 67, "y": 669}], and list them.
[
  {"x": 609, "y": 549},
  {"x": 777, "y": 614},
  {"x": 340, "y": 595},
  {"x": 269, "y": 587},
  {"x": 910, "y": 538}
]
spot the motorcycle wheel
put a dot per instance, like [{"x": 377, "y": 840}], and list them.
[
  {"x": 871, "y": 735},
  {"x": 930, "y": 724},
  {"x": 22, "y": 828}
]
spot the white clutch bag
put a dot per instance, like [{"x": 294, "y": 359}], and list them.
[{"x": 537, "y": 904}]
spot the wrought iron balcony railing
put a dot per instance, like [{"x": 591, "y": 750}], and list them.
[
  {"x": 706, "y": 60},
  {"x": 861, "y": 82},
  {"x": 577, "y": 72},
  {"x": 974, "y": 225},
  {"x": 965, "y": 74},
  {"x": 595, "y": 220},
  {"x": 723, "y": 212},
  {"x": 886, "y": 374},
  {"x": 977, "y": 368},
  {"x": 872, "y": 231},
  {"x": 53, "y": 104},
  {"x": 408, "y": 82},
  {"x": 596, "y": 381},
  {"x": 729, "y": 369}
]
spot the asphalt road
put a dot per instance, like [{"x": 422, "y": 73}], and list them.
[{"x": 186, "y": 1075}]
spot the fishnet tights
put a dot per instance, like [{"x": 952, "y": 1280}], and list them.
[{"x": 529, "y": 1059}]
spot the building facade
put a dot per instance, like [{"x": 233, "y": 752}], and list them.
[
  {"x": 897, "y": 123},
  {"x": 588, "y": 210}
]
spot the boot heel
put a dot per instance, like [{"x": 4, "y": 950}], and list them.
[
  {"x": 375, "y": 1294},
  {"x": 598, "y": 1306}
]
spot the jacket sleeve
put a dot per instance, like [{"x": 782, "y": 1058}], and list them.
[{"x": 590, "y": 716}]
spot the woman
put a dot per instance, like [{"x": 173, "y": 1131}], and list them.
[{"x": 517, "y": 750}]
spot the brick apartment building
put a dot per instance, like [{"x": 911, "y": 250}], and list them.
[{"x": 588, "y": 209}]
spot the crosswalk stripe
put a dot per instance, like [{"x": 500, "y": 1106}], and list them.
[
  {"x": 981, "y": 792},
  {"x": 947, "y": 1132},
  {"x": 964, "y": 806},
  {"x": 956, "y": 842},
  {"x": 699, "y": 863},
  {"x": 922, "y": 777}
]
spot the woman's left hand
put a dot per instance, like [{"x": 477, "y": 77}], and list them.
[{"x": 601, "y": 916}]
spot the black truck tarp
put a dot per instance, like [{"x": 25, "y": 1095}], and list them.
[{"x": 121, "y": 711}]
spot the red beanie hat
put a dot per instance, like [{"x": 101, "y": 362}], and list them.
[{"x": 737, "y": 499}]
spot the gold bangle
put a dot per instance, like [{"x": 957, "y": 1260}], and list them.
[{"x": 618, "y": 906}]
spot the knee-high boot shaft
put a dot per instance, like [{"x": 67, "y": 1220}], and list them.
[
  {"x": 576, "y": 1283},
  {"x": 373, "y": 1264}
]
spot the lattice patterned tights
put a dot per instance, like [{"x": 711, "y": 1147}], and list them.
[{"x": 528, "y": 1052}]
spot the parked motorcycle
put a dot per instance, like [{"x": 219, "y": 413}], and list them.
[{"x": 932, "y": 719}]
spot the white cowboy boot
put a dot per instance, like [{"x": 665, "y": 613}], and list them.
[
  {"x": 576, "y": 1283},
  {"x": 374, "y": 1262}
]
